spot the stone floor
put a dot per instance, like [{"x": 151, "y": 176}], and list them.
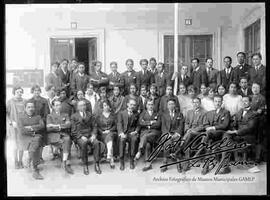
[{"x": 129, "y": 182}]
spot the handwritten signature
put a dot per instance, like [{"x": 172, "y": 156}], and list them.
[{"x": 218, "y": 147}]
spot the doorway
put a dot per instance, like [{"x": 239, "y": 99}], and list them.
[{"x": 84, "y": 49}]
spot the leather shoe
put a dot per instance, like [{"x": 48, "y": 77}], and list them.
[
  {"x": 132, "y": 165},
  {"x": 122, "y": 165},
  {"x": 97, "y": 168},
  {"x": 85, "y": 170},
  {"x": 225, "y": 170},
  {"x": 146, "y": 168},
  {"x": 68, "y": 169},
  {"x": 37, "y": 175},
  {"x": 205, "y": 170},
  {"x": 179, "y": 168}
]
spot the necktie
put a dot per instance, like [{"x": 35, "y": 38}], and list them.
[{"x": 244, "y": 113}]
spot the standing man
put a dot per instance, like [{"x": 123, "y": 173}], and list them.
[
  {"x": 228, "y": 74},
  {"x": 198, "y": 75},
  {"x": 163, "y": 105},
  {"x": 115, "y": 78},
  {"x": 212, "y": 73},
  {"x": 80, "y": 80},
  {"x": 244, "y": 88},
  {"x": 152, "y": 65},
  {"x": 30, "y": 135},
  {"x": 64, "y": 74},
  {"x": 257, "y": 73},
  {"x": 73, "y": 68},
  {"x": 98, "y": 78},
  {"x": 144, "y": 77},
  {"x": 128, "y": 130},
  {"x": 173, "y": 124},
  {"x": 58, "y": 130},
  {"x": 129, "y": 76},
  {"x": 182, "y": 77},
  {"x": 84, "y": 131},
  {"x": 53, "y": 78},
  {"x": 161, "y": 79},
  {"x": 242, "y": 68},
  {"x": 150, "y": 124}
]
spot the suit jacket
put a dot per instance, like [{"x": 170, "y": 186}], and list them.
[
  {"x": 242, "y": 71},
  {"x": 67, "y": 107},
  {"x": 249, "y": 92},
  {"x": 139, "y": 107},
  {"x": 104, "y": 123},
  {"x": 82, "y": 126},
  {"x": 79, "y": 83},
  {"x": 220, "y": 120},
  {"x": 177, "y": 124},
  {"x": 198, "y": 77},
  {"x": 126, "y": 124},
  {"x": 258, "y": 102},
  {"x": 55, "y": 80},
  {"x": 145, "y": 121},
  {"x": 161, "y": 80},
  {"x": 115, "y": 80},
  {"x": 144, "y": 79},
  {"x": 100, "y": 79},
  {"x": 128, "y": 80},
  {"x": 41, "y": 107},
  {"x": 186, "y": 80},
  {"x": 54, "y": 133},
  {"x": 116, "y": 103},
  {"x": 195, "y": 121},
  {"x": 64, "y": 77},
  {"x": 258, "y": 77},
  {"x": 212, "y": 76},
  {"x": 163, "y": 107},
  {"x": 245, "y": 125},
  {"x": 156, "y": 100},
  {"x": 224, "y": 80}
]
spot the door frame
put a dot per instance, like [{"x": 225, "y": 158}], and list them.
[
  {"x": 79, "y": 33},
  {"x": 216, "y": 42}
]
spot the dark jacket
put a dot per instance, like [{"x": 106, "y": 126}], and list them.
[
  {"x": 127, "y": 124},
  {"x": 175, "y": 125},
  {"x": 220, "y": 120}
]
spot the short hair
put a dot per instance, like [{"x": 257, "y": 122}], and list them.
[
  {"x": 208, "y": 59},
  {"x": 79, "y": 91},
  {"x": 129, "y": 60},
  {"x": 96, "y": 62},
  {"x": 196, "y": 98},
  {"x": 74, "y": 59},
  {"x": 34, "y": 87},
  {"x": 153, "y": 85},
  {"x": 29, "y": 101},
  {"x": 113, "y": 63},
  {"x": 243, "y": 77},
  {"x": 171, "y": 99},
  {"x": 202, "y": 85},
  {"x": 152, "y": 59},
  {"x": 143, "y": 86},
  {"x": 49, "y": 87},
  {"x": 143, "y": 60},
  {"x": 102, "y": 89},
  {"x": 162, "y": 64},
  {"x": 256, "y": 83},
  {"x": 149, "y": 100},
  {"x": 182, "y": 83},
  {"x": 63, "y": 60},
  {"x": 81, "y": 63},
  {"x": 169, "y": 85},
  {"x": 16, "y": 88},
  {"x": 257, "y": 54},
  {"x": 233, "y": 83},
  {"x": 198, "y": 61},
  {"x": 133, "y": 84},
  {"x": 228, "y": 58},
  {"x": 190, "y": 87},
  {"x": 89, "y": 84},
  {"x": 55, "y": 63},
  {"x": 132, "y": 99},
  {"x": 218, "y": 96},
  {"x": 241, "y": 52},
  {"x": 107, "y": 102}
]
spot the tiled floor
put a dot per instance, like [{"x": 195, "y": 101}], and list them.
[{"x": 130, "y": 182}]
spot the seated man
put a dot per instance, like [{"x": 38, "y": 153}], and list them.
[
  {"x": 164, "y": 100},
  {"x": 173, "y": 124},
  {"x": 97, "y": 77},
  {"x": 150, "y": 131},
  {"x": 83, "y": 131},
  {"x": 193, "y": 126},
  {"x": 215, "y": 124},
  {"x": 30, "y": 128},
  {"x": 58, "y": 125},
  {"x": 128, "y": 130},
  {"x": 244, "y": 129}
]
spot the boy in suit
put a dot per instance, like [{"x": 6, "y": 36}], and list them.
[
  {"x": 212, "y": 73},
  {"x": 129, "y": 76},
  {"x": 115, "y": 78},
  {"x": 144, "y": 77},
  {"x": 80, "y": 80},
  {"x": 198, "y": 75}
]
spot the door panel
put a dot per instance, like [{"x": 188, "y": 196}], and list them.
[{"x": 92, "y": 50}]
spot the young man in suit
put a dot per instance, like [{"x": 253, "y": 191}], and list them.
[
  {"x": 99, "y": 78},
  {"x": 243, "y": 130},
  {"x": 129, "y": 76},
  {"x": 84, "y": 132},
  {"x": 228, "y": 74},
  {"x": 212, "y": 73},
  {"x": 58, "y": 133},
  {"x": 150, "y": 124},
  {"x": 244, "y": 88},
  {"x": 152, "y": 65},
  {"x": 80, "y": 80},
  {"x": 163, "y": 106},
  {"x": 193, "y": 126},
  {"x": 144, "y": 77},
  {"x": 161, "y": 79},
  {"x": 172, "y": 123},
  {"x": 64, "y": 74},
  {"x": 182, "y": 77},
  {"x": 242, "y": 67},
  {"x": 53, "y": 78},
  {"x": 31, "y": 127},
  {"x": 128, "y": 130},
  {"x": 257, "y": 73},
  {"x": 215, "y": 124},
  {"x": 198, "y": 75},
  {"x": 115, "y": 78}
]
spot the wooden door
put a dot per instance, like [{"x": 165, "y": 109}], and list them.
[{"x": 92, "y": 50}]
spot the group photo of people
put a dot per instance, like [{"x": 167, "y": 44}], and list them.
[{"x": 119, "y": 118}]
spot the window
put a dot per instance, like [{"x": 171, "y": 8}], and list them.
[
  {"x": 252, "y": 39},
  {"x": 190, "y": 46}
]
